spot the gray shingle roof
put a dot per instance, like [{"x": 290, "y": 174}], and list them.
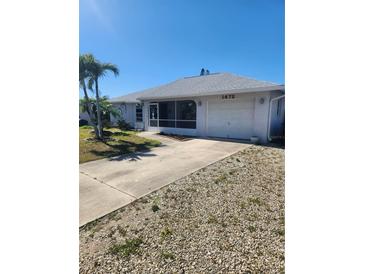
[
  {"x": 129, "y": 98},
  {"x": 213, "y": 84}
]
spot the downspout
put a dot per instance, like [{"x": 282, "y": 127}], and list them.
[{"x": 270, "y": 108}]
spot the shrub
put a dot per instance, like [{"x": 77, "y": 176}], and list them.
[
  {"x": 167, "y": 255},
  {"x": 83, "y": 122},
  {"x": 130, "y": 247},
  {"x": 123, "y": 125},
  {"x": 155, "y": 208},
  {"x": 166, "y": 232}
]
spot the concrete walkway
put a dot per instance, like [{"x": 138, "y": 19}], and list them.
[{"x": 108, "y": 184}]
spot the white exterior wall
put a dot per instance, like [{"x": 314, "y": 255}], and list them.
[
  {"x": 84, "y": 116},
  {"x": 256, "y": 106},
  {"x": 242, "y": 117},
  {"x": 128, "y": 113}
]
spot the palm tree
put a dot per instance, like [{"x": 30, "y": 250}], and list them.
[
  {"x": 97, "y": 70},
  {"x": 106, "y": 108},
  {"x": 84, "y": 63}
]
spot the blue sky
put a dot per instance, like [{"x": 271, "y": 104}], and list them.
[{"x": 157, "y": 41}]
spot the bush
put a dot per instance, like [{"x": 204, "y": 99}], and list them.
[
  {"x": 123, "y": 125},
  {"x": 83, "y": 122},
  {"x": 105, "y": 119},
  {"x": 130, "y": 247},
  {"x": 155, "y": 208}
]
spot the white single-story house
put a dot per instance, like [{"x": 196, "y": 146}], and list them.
[{"x": 219, "y": 105}]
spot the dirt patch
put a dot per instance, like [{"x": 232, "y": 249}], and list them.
[{"x": 180, "y": 138}]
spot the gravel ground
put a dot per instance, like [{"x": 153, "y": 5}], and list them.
[{"x": 225, "y": 218}]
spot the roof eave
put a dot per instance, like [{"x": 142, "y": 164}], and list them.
[
  {"x": 250, "y": 90},
  {"x": 124, "y": 101}
]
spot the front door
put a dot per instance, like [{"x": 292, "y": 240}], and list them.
[{"x": 153, "y": 115}]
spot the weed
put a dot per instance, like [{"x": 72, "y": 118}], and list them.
[
  {"x": 251, "y": 228},
  {"x": 221, "y": 178},
  {"x": 121, "y": 231},
  {"x": 268, "y": 208},
  {"x": 166, "y": 232},
  {"x": 191, "y": 189},
  {"x": 130, "y": 247},
  {"x": 111, "y": 233},
  {"x": 243, "y": 205},
  {"x": 280, "y": 232},
  {"x": 255, "y": 201},
  {"x": 235, "y": 220},
  {"x": 282, "y": 220},
  {"x": 113, "y": 215},
  {"x": 252, "y": 217},
  {"x": 167, "y": 255},
  {"x": 155, "y": 208},
  {"x": 156, "y": 200},
  {"x": 92, "y": 225},
  {"x": 212, "y": 219}
]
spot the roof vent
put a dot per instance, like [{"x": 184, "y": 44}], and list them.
[{"x": 204, "y": 72}]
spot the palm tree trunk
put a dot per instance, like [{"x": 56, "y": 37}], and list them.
[
  {"x": 98, "y": 113},
  {"x": 89, "y": 109}
]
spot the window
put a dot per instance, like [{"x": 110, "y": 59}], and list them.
[
  {"x": 139, "y": 113},
  {"x": 186, "y": 114},
  {"x": 186, "y": 110},
  {"x": 173, "y": 114}
]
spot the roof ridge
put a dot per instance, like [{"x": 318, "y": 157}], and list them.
[
  {"x": 251, "y": 78},
  {"x": 194, "y": 76}
]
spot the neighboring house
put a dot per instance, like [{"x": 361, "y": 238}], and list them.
[{"x": 214, "y": 105}]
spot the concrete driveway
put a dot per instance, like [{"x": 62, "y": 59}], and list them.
[{"x": 108, "y": 184}]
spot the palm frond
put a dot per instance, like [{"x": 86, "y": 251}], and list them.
[
  {"x": 111, "y": 67},
  {"x": 90, "y": 83}
]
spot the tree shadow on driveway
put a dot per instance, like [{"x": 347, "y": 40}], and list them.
[
  {"x": 125, "y": 151},
  {"x": 133, "y": 156}
]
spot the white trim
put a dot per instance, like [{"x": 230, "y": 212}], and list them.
[
  {"x": 269, "y": 137},
  {"x": 149, "y": 114},
  {"x": 206, "y": 119}
]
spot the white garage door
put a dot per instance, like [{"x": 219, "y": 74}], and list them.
[{"x": 231, "y": 118}]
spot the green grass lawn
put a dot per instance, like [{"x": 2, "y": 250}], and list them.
[{"x": 123, "y": 142}]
